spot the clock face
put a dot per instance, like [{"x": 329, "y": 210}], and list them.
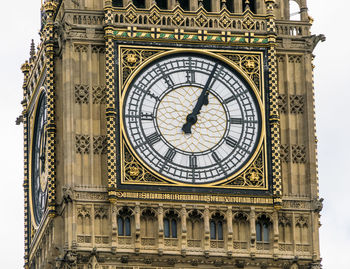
[
  {"x": 39, "y": 162},
  {"x": 191, "y": 119}
]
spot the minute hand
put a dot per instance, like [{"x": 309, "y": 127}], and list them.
[{"x": 191, "y": 118}]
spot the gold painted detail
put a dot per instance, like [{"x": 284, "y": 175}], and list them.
[
  {"x": 191, "y": 36},
  {"x": 250, "y": 64},
  {"x": 188, "y": 19},
  {"x": 253, "y": 176},
  {"x": 197, "y": 197},
  {"x": 134, "y": 172},
  {"x": 132, "y": 58}
]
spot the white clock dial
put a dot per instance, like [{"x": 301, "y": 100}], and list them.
[{"x": 191, "y": 118}]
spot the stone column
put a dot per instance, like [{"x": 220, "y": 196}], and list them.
[
  {"x": 160, "y": 229},
  {"x": 252, "y": 230},
  {"x": 229, "y": 231},
  {"x": 137, "y": 214},
  {"x": 183, "y": 229},
  {"x": 275, "y": 232},
  {"x": 206, "y": 231}
]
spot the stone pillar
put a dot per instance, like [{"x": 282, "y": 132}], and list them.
[
  {"x": 183, "y": 229},
  {"x": 160, "y": 229},
  {"x": 229, "y": 231},
  {"x": 137, "y": 228},
  {"x": 303, "y": 11},
  {"x": 275, "y": 232},
  {"x": 206, "y": 230},
  {"x": 252, "y": 229}
]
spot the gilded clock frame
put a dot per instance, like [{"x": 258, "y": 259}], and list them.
[
  {"x": 132, "y": 64},
  {"x": 33, "y": 119}
]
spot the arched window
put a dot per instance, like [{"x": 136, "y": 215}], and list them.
[
  {"x": 194, "y": 225},
  {"x": 216, "y": 227},
  {"x": 294, "y": 11},
  {"x": 162, "y": 4},
  {"x": 139, "y": 3},
  {"x": 148, "y": 224},
  {"x": 185, "y": 4},
  {"x": 229, "y": 5},
  {"x": 124, "y": 222},
  {"x": 170, "y": 225},
  {"x": 207, "y": 5},
  {"x": 263, "y": 225},
  {"x": 249, "y": 3},
  {"x": 240, "y": 231},
  {"x": 117, "y": 3}
]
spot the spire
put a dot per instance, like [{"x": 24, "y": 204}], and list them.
[{"x": 32, "y": 51}]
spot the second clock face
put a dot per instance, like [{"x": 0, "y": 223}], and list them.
[
  {"x": 191, "y": 118},
  {"x": 39, "y": 162}
]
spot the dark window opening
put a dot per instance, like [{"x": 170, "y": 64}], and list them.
[
  {"x": 117, "y": 3},
  {"x": 263, "y": 229},
  {"x": 139, "y": 3},
  {"x": 251, "y": 4},
  {"x": 185, "y": 4},
  {"x": 170, "y": 225},
  {"x": 162, "y": 4},
  {"x": 229, "y": 5},
  {"x": 207, "y": 5}
]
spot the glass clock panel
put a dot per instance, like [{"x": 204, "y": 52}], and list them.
[
  {"x": 191, "y": 119},
  {"x": 39, "y": 162}
]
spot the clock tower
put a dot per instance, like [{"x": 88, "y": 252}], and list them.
[{"x": 171, "y": 134}]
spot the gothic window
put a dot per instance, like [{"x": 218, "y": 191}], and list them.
[
  {"x": 294, "y": 11},
  {"x": 170, "y": 225},
  {"x": 301, "y": 231},
  {"x": 124, "y": 222},
  {"x": 117, "y": 3},
  {"x": 185, "y": 4},
  {"x": 240, "y": 231},
  {"x": 216, "y": 227},
  {"x": 263, "y": 226},
  {"x": 229, "y": 5},
  {"x": 285, "y": 230},
  {"x": 148, "y": 224},
  {"x": 207, "y": 5},
  {"x": 139, "y": 3},
  {"x": 162, "y": 4},
  {"x": 194, "y": 225},
  {"x": 101, "y": 225}
]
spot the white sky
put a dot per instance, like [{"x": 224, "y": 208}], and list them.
[{"x": 20, "y": 23}]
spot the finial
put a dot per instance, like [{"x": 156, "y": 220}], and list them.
[
  {"x": 32, "y": 51},
  {"x": 223, "y": 4},
  {"x": 247, "y": 5},
  {"x": 200, "y": 3}
]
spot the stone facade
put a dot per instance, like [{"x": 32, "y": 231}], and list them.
[{"x": 89, "y": 222}]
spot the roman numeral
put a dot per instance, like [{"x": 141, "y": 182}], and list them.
[
  {"x": 190, "y": 75},
  {"x": 215, "y": 157},
  {"x": 193, "y": 161},
  {"x": 230, "y": 99},
  {"x": 146, "y": 116},
  {"x": 170, "y": 154},
  {"x": 152, "y": 95},
  {"x": 168, "y": 81},
  {"x": 231, "y": 142},
  {"x": 236, "y": 121},
  {"x": 153, "y": 138}
]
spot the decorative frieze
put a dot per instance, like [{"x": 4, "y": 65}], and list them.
[
  {"x": 81, "y": 93},
  {"x": 282, "y": 103},
  {"x": 285, "y": 155},
  {"x": 99, "y": 94},
  {"x": 298, "y": 154},
  {"x": 82, "y": 144},
  {"x": 296, "y": 104}
]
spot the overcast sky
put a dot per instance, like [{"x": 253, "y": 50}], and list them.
[{"x": 19, "y": 23}]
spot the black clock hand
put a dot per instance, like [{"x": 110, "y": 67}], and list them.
[{"x": 191, "y": 118}]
